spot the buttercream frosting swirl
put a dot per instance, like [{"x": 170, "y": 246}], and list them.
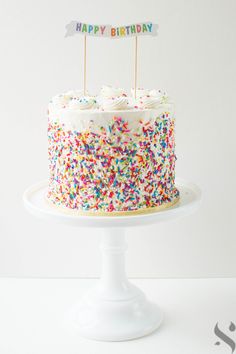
[
  {"x": 115, "y": 103},
  {"x": 140, "y": 92},
  {"x": 150, "y": 99},
  {"x": 109, "y": 92},
  {"x": 159, "y": 94},
  {"x": 150, "y": 102},
  {"x": 60, "y": 100},
  {"x": 82, "y": 103}
]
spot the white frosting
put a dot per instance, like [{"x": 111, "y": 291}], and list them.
[
  {"x": 60, "y": 100},
  {"x": 140, "y": 92},
  {"x": 115, "y": 104},
  {"x": 150, "y": 102},
  {"x": 155, "y": 93},
  {"x": 109, "y": 92},
  {"x": 78, "y": 112},
  {"x": 159, "y": 94},
  {"x": 94, "y": 119},
  {"x": 83, "y": 102},
  {"x": 152, "y": 99}
]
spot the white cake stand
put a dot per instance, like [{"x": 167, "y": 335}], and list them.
[{"x": 115, "y": 310}]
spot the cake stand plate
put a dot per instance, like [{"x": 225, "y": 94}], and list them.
[{"x": 115, "y": 310}]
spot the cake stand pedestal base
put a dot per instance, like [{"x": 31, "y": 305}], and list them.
[{"x": 115, "y": 310}]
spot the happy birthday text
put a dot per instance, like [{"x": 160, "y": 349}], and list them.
[{"x": 147, "y": 28}]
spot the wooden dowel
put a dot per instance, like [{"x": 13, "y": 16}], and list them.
[
  {"x": 135, "y": 66},
  {"x": 85, "y": 58}
]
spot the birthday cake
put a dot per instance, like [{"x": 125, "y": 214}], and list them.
[{"x": 111, "y": 154}]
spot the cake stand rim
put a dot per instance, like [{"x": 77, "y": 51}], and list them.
[{"x": 35, "y": 202}]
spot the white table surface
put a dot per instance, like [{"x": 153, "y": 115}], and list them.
[{"x": 32, "y": 317}]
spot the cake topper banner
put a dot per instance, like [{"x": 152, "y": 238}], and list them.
[{"x": 138, "y": 29}]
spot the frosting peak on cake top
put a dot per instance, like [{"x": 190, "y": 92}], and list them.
[
  {"x": 110, "y": 99},
  {"x": 111, "y": 92},
  {"x": 113, "y": 99}
]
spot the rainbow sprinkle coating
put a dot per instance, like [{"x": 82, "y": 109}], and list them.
[{"x": 117, "y": 168}]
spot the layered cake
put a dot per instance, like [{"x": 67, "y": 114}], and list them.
[{"x": 111, "y": 154}]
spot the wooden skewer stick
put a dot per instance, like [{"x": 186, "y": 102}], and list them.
[
  {"x": 135, "y": 66},
  {"x": 85, "y": 58}
]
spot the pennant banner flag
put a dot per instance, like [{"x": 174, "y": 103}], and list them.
[{"x": 138, "y": 29}]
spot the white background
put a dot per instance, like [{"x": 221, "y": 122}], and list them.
[{"x": 193, "y": 59}]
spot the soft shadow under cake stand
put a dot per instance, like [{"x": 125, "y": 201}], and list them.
[{"x": 115, "y": 310}]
